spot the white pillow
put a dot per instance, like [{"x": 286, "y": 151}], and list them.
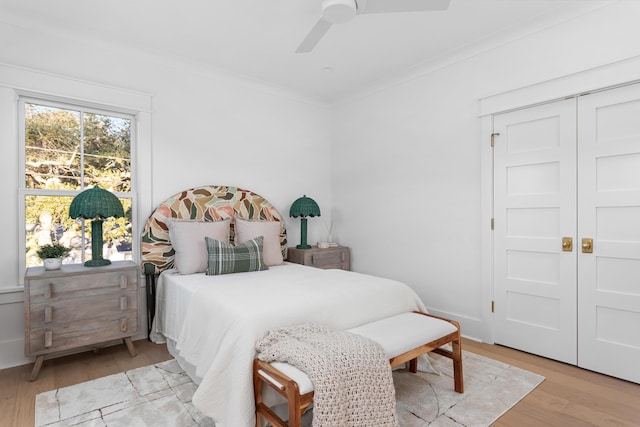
[
  {"x": 270, "y": 230},
  {"x": 187, "y": 239}
]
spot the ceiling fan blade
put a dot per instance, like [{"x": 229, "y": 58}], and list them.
[
  {"x": 389, "y": 6},
  {"x": 314, "y": 36}
]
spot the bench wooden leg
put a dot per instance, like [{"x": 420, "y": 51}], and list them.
[
  {"x": 457, "y": 366},
  {"x": 295, "y": 415},
  {"x": 257, "y": 390},
  {"x": 413, "y": 365}
]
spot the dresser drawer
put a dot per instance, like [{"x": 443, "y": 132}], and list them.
[
  {"x": 47, "y": 289},
  {"x": 75, "y": 309},
  {"x": 71, "y": 335}
]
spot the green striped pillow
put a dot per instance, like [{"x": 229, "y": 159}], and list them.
[{"x": 224, "y": 258}]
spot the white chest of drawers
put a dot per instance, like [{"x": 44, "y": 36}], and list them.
[{"x": 78, "y": 306}]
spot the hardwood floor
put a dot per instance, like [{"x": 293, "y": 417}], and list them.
[{"x": 569, "y": 396}]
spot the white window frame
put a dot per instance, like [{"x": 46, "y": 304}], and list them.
[{"x": 23, "y": 191}]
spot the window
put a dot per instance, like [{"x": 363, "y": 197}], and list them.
[{"x": 67, "y": 149}]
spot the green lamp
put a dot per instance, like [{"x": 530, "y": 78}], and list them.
[
  {"x": 96, "y": 204},
  {"x": 304, "y": 207}
]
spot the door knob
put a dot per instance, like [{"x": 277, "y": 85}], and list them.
[
  {"x": 587, "y": 246},
  {"x": 567, "y": 244}
]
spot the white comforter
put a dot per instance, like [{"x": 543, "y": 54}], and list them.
[{"x": 218, "y": 321}]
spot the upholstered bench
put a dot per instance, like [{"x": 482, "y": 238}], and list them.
[{"x": 404, "y": 337}]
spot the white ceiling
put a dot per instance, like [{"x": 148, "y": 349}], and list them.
[{"x": 257, "y": 38}]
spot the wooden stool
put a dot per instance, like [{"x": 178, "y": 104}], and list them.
[{"x": 404, "y": 337}]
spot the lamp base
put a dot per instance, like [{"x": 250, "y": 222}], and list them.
[
  {"x": 96, "y": 262},
  {"x": 303, "y": 246}
]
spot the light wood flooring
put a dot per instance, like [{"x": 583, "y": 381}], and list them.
[{"x": 569, "y": 396}]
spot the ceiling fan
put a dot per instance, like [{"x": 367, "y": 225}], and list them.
[{"x": 340, "y": 11}]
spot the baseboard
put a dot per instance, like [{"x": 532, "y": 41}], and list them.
[
  {"x": 12, "y": 353},
  {"x": 470, "y": 327}
]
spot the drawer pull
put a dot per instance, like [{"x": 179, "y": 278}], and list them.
[
  {"x": 123, "y": 303},
  {"x": 48, "y": 339},
  {"x": 313, "y": 258},
  {"x": 123, "y": 282},
  {"x": 48, "y": 314},
  {"x": 123, "y": 324},
  {"x": 47, "y": 290}
]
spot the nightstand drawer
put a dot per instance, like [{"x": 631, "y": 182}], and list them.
[
  {"x": 78, "y": 334},
  {"x": 336, "y": 257},
  {"x": 325, "y": 258}
]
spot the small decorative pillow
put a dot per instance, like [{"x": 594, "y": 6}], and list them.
[
  {"x": 270, "y": 230},
  {"x": 187, "y": 239},
  {"x": 225, "y": 258}
]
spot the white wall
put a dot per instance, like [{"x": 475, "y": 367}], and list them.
[
  {"x": 203, "y": 127},
  {"x": 406, "y": 158}
]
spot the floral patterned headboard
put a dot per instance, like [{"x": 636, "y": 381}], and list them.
[{"x": 207, "y": 203}]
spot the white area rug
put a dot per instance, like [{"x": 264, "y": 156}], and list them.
[{"x": 160, "y": 395}]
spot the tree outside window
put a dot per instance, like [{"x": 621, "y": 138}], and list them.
[{"x": 68, "y": 149}]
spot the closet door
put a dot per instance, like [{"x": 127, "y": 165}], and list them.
[
  {"x": 534, "y": 208},
  {"x": 609, "y": 213}
]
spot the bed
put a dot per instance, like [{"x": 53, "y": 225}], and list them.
[{"x": 211, "y": 323}]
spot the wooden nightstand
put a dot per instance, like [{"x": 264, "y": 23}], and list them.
[
  {"x": 78, "y": 306},
  {"x": 337, "y": 257}
]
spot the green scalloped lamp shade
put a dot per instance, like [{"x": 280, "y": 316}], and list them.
[
  {"x": 304, "y": 207},
  {"x": 96, "y": 204}
]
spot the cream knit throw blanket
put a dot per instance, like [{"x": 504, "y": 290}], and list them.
[{"x": 351, "y": 374}]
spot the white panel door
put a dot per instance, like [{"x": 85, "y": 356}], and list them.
[
  {"x": 609, "y": 213},
  {"x": 534, "y": 208}
]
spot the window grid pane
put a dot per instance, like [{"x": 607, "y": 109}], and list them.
[{"x": 52, "y": 146}]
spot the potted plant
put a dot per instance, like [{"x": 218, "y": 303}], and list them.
[{"x": 52, "y": 255}]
